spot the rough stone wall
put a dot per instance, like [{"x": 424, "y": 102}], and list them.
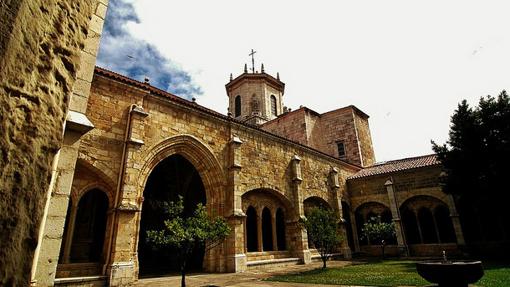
[
  {"x": 365, "y": 139},
  {"x": 338, "y": 125},
  {"x": 322, "y": 132},
  {"x": 291, "y": 125},
  {"x": 40, "y": 54}
]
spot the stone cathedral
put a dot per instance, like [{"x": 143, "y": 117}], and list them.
[{"x": 261, "y": 167}]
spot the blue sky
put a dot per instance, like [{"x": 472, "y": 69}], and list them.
[
  {"x": 123, "y": 53},
  {"x": 405, "y": 63}
]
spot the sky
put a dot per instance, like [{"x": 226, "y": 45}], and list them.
[{"x": 407, "y": 64}]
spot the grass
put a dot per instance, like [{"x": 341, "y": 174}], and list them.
[{"x": 389, "y": 273}]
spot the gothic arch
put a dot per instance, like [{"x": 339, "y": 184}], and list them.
[
  {"x": 316, "y": 201},
  {"x": 209, "y": 170},
  {"x": 286, "y": 203},
  {"x": 199, "y": 155}
]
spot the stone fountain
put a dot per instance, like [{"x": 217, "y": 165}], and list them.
[{"x": 450, "y": 273}]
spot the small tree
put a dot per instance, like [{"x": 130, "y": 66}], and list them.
[
  {"x": 322, "y": 227},
  {"x": 378, "y": 231},
  {"x": 185, "y": 233}
]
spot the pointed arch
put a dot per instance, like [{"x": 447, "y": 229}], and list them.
[{"x": 199, "y": 155}]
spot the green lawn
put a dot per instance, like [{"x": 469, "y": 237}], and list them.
[{"x": 388, "y": 273}]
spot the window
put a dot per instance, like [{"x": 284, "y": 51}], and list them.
[
  {"x": 341, "y": 149},
  {"x": 237, "y": 106},
  {"x": 273, "y": 105}
]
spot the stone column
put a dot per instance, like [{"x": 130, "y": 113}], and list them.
[
  {"x": 334, "y": 184},
  {"x": 455, "y": 221},
  {"x": 236, "y": 218},
  {"x": 301, "y": 240},
  {"x": 121, "y": 254},
  {"x": 70, "y": 232},
  {"x": 395, "y": 212},
  {"x": 260, "y": 244},
  {"x": 273, "y": 225}
]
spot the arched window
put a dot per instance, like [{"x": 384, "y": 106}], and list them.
[
  {"x": 280, "y": 229},
  {"x": 90, "y": 227},
  {"x": 251, "y": 230},
  {"x": 274, "y": 111},
  {"x": 267, "y": 230},
  {"x": 237, "y": 106}
]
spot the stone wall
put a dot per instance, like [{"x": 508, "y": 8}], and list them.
[
  {"x": 40, "y": 44},
  {"x": 324, "y": 131},
  {"x": 291, "y": 125}
]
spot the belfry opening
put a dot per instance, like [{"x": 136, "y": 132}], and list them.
[{"x": 173, "y": 177}]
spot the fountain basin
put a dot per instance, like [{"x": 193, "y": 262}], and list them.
[{"x": 450, "y": 273}]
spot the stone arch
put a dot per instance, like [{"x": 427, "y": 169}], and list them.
[
  {"x": 426, "y": 219},
  {"x": 315, "y": 201},
  {"x": 87, "y": 178},
  {"x": 210, "y": 171},
  {"x": 367, "y": 210},
  {"x": 200, "y": 156},
  {"x": 101, "y": 181},
  {"x": 285, "y": 202},
  {"x": 85, "y": 229},
  {"x": 261, "y": 205}
]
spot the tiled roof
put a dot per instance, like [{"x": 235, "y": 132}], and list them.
[{"x": 397, "y": 165}]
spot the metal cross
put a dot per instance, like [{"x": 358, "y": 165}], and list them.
[{"x": 252, "y": 60}]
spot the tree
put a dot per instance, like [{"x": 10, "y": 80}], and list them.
[
  {"x": 185, "y": 233},
  {"x": 476, "y": 160},
  {"x": 322, "y": 227},
  {"x": 376, "y": 230}
]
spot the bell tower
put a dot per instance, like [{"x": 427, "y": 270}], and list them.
[{"x": 255, "y": 97}]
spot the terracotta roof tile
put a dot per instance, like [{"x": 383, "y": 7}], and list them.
[{"x": 397, "y": 165}]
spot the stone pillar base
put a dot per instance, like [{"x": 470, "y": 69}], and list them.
[
  {"x": 121, "y": 274},
  {"x": 237, "y": 263},
  {"x": 346, "y": 252},
  {"x": 305, "y": 256}
]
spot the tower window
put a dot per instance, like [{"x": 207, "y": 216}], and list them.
[
  {"x": 273, "y": 105},
  {"x": 237, "y": 106},
  {"x": 341, "y": 149}
]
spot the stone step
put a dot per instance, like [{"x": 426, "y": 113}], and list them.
[
  {"x": 272, "y": 263},
  {"x": 267, "y": 255},
  {"x": 85, "y": 281}
]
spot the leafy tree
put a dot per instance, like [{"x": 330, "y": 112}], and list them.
[
  {"x": 322, "y": 227},
  {"x": 476, "y": 159},
  {"x": 185, "y": 233},
  {"x": 375, "y": 230}
]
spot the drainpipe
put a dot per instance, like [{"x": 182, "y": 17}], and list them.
[{"x": 120, "y": 178}]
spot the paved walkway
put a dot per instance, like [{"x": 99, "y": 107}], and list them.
[{"x": 245, "y": 279}]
